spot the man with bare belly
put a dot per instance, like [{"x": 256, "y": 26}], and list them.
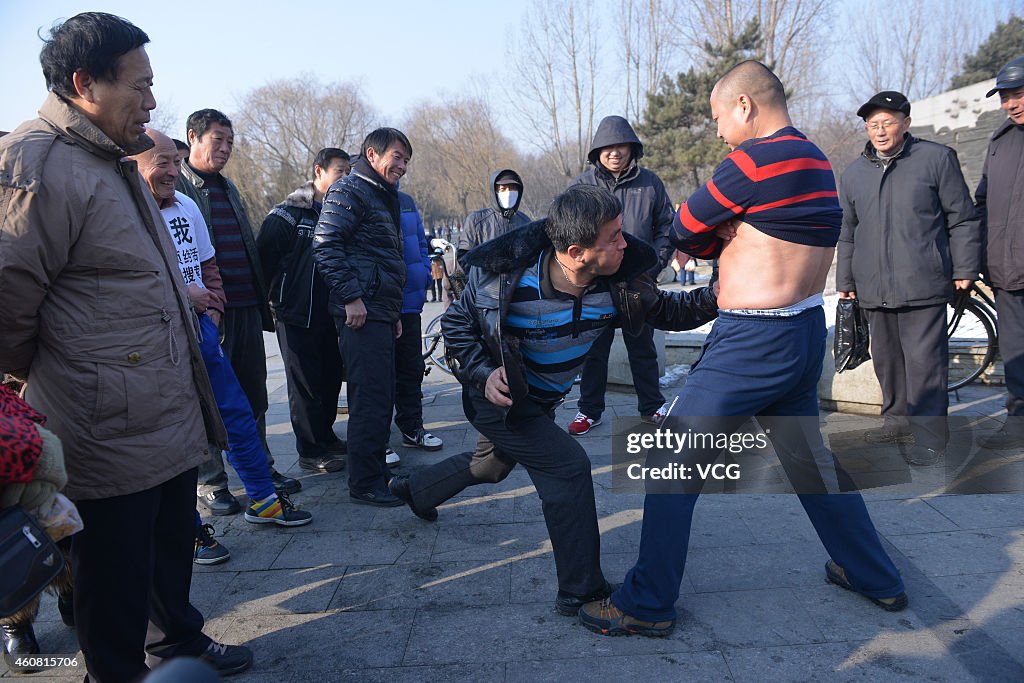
[{"x": 771, "y": 215}]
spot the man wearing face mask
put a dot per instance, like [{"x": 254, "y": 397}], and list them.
[
  {"x": 484, "y": 225},
  {"x": 646, "y": 214}
]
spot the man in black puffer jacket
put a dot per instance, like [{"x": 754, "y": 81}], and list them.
[{"x": 358, "y": 249}]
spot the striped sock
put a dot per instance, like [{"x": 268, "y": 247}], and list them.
[{"x": 269, "y": 508}]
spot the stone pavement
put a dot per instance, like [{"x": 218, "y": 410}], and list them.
[{"x": 379, "y": 595}]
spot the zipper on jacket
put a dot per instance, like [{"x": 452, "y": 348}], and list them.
[
  {"x": 280, "y": 293},
  {"x": 309, "y": 314}
]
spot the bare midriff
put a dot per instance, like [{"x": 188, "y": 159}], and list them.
[{"x": 758, "y": 271}]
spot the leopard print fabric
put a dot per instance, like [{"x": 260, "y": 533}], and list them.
[{"x": 20, "y": 443}]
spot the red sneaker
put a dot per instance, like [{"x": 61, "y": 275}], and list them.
[{"x": 581, "y": 424}]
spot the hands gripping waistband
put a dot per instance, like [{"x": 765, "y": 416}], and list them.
[{"x": 786, "y": 312}]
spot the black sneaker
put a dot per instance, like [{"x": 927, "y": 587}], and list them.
[
  {"x": 376, "y": 498},
  {"x": 327, "y": 463},
  {"x": 399, "y": 487},
  {"x": 283, "y": 484},
  {"x": 568, "y": 605},
  {"x": 421, "y": 438},
  {"x": 207, "y": 550},
  {"x": 220, "y": 503},
  {"x": 227, "y": 659}
]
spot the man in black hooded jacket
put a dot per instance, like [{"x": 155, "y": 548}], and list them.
[
  {"x": 485, "y": 224},
  {"x": 646, "y": 214}
]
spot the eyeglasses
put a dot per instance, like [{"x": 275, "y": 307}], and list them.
[{"x": 877, "y": 126}]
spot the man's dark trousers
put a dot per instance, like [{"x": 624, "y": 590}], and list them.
[
  {"x": 911, "y": 357},
  {"x": 643, "y": 364},
  {"x": 132, "y": 569},
  {"x": 558, "y": 466},
  {"x": 312, "y": 366},
  {"x": 736, "y": 376},
  {"x": 369, "y": 357},
  {"x": 1010, "y": 311},
  {"x": 242, "y": 331},
  {"x": 409, "y": 367}
]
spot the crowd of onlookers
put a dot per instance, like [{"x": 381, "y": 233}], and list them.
[{"x": 135, "y": 290}]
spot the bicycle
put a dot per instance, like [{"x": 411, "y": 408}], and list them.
[
  {"x": 972, "y": 333},
  {"x": 433, "y": 338}
]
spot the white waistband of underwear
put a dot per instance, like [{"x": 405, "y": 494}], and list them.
[{"x": 787, "y": 312}]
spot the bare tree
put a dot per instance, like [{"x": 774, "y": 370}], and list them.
[
  {"x": 557, "y": 64},
  {"x": 648, "y": 45},
  {"x": 281, "y": 126},
  {"x": 796, "y": 34},
  {"x": 456, "y": 145}
]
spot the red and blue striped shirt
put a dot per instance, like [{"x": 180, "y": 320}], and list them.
[{"x": 781, "y": 184}]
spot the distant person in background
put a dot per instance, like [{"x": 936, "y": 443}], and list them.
[
  {"x": 182, "y": 148},
  {"x": 485, "y": 224},
  {"x": 305, "y": 328},
  {"x": 1000, "y": 198}
]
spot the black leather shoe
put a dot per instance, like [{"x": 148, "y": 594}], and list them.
[
  {"x": 227, "y": 659},
  {"x": 220, "y": 503},
  {"x": 376, "y": 498},
  {"x": 327, "y": 463},
  {"x": 399, "y": 487},
  {"x": 568, "y": 605},
  {"x": 283, "y": 484},
  {"x": 19, "y": 641}
]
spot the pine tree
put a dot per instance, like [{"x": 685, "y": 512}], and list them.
[
  {"x": 1006, "y": 42},
  {"x": 680, "y": 137}
]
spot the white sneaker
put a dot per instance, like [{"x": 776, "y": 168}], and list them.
[{"x": 391, "y": 458}]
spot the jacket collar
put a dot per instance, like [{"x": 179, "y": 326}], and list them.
[
  {"x": 302, "y": 198},
  {"x": 69, "y": 121},
  {"x": 520, "y": 248},
  {"x": 363, "y": 170},
  {"x": 871, "y": 154},
  {"x": 1006, "y": 125}
]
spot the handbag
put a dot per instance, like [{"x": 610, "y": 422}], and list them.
[
  {"x": 29, "y": 559},
  {"x": 852, "y": 339}
]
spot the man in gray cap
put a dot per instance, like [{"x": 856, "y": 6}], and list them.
[
  {"x": 1000, "y": 198},
  {"x": 910, "y": 237}
]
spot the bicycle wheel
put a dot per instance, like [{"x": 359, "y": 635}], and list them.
[
  {"x": 435, "y": 352},
  {"x": 972, "y": 343}
]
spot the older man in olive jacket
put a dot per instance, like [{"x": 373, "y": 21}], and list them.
[{"x": 94, "y": 313}]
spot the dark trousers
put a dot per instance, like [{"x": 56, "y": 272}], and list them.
[
  {"x": 242, "y": 341},
  {"x": 369, "y": 357},
  {"x": 643, "y": 364},
  {"x": 1010, "y": 310},
  {"x": 409, "y": 367},
  {"x": 435, "y": 290},
  {"x": 558, "y": 467},
  {"x": 765, "y": 367},
  {"x": 132, "y": 569},
  {"x": 911, "y": 358},
  {"x": 312, "y": 367}
]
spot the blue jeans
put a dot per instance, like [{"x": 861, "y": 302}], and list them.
[
  {"x": 245, "y": 449},
  {"x": 765, "y": 367}
]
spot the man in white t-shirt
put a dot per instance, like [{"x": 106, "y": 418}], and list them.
[{"x": 159, "y": 167}]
